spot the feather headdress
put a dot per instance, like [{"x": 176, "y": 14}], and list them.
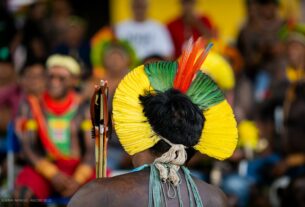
[{"x": 219, "y": 134}]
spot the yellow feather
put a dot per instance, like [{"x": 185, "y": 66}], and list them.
[
  {"x": 219, "y": 136},
  {"x": 132, "y": 127}
]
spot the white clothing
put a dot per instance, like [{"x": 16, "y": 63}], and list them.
[{"x": 147, "y": 38}]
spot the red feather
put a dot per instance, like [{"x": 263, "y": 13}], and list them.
[
  {"x": 189, "y": 63},
  {"x": 182, "y": 62}
]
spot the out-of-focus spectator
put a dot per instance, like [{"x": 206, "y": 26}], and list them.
[
  {"x": 293, "y": 163},
  {"x": 116, "y": 61},
  {"x": 54, "y": 132},
  {"x": 9, "y": 90},
  {"x": 34, "y": 33},
  {"x": 104, "y": 38},
  {"x": 295, "y": 70},
  {"x": 260, "y": 45},
  {"x": 293, "y": 37},
  {"x": 258, "y": 40},
  {"x": 248, "y": 41},
  {"x": 146, "y": 36},
  {"x": 32, "y": 78},
  {"x": 112, "y": 58},
  {"x": 9, "y": 100},
  {"x": 188, "y": 25},
  {"x": 76, "y": 45},
  {"x": 60, "y": 15}
]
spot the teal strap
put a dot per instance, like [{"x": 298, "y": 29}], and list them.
[
  {"x": 140, "y": 168},
  {"x": 155, "y": 189},
  {"x": 157, "y": 196},
  {"x": 189, "y": 190},
  {"x": 191, "y": 186}
]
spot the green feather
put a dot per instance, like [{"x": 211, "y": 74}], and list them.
[
  {"x": 204, "y": 92},
  {"x": 161, "y": 75}
]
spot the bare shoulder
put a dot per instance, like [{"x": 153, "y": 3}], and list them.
[
  {"x": 131, "y": 190},
  {"x": 113, "y": 191},
  {"x": 86, "y": 194},
  {"x": 211, "y": 195}
]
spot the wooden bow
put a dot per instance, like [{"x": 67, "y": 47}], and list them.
[{"x": 99, "y": 118}]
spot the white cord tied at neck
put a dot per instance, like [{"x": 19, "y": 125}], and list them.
[{"x": 169, "y": 163}]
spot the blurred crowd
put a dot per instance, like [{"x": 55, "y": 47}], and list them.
[{"x": 49, "y": 66}]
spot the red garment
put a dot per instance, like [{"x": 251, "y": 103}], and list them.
[
  {"x": 39, "y": 185},
  {"x": 177, "y": 31},
  {"x": 60, "y": 107}
]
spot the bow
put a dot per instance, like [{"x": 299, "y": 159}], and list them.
[{"x": 99, "y": 118}]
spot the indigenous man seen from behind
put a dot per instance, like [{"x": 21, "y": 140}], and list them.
[{"x": 162, "y": 113}]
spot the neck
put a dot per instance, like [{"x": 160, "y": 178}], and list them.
[{"x": 142, "y": 158}]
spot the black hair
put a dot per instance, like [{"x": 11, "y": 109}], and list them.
[
  {"x": 173, "y": 116},
  {"x": 29, "y": 63}
]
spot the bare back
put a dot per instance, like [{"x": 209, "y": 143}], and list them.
[{"x": 132, "y": 190}]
